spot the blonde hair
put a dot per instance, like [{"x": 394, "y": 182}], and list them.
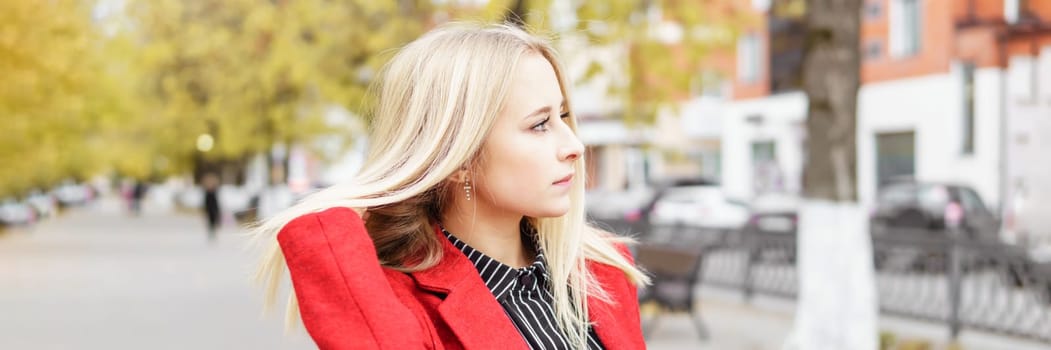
[{"x": 438, "y": 99}]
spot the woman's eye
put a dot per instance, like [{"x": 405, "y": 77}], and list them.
[{"x": 542, "y": 126}]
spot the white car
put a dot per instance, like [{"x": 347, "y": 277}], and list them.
[
  {"x": 70, "y": 193},
  {"x": 699, "y": 206},
  {"x": 45, "y": 205},
  {"x": 13, "y": 212}
]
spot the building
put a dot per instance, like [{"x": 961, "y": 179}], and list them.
[{"x": 952, "y": 91}]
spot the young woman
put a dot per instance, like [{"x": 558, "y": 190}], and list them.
[{"x": 466, "y": 227}]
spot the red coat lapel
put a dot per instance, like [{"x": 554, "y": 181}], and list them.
[
  {"x": 480, "y": 322},
  {"x": 618, "y": 326},
  {"x": 469, "y": 308}
]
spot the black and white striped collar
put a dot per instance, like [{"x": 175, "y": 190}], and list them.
[{"x": 501, "y": 278}]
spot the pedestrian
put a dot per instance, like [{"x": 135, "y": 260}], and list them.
[
  {"x": 465, "y": 229},
  {"x": 138, "y": 191},
  {"x": 212, "y": 213}
]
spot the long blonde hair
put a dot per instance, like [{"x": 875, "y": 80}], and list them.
[{"x": 438, "y": 99}]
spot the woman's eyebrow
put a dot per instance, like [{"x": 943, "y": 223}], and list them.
[{"x": 543, "y": 110}]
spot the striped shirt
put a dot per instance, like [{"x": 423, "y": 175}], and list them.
[{"x": 524, "y": 295}]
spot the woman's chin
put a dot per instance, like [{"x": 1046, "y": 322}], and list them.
[{"x": 551, "y": 212}]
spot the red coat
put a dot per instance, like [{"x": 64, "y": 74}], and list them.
[{"x": 348, "y": 301}]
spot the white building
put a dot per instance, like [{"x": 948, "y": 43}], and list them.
[{"x": 931, "y": 106}]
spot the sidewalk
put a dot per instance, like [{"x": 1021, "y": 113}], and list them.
[
  {"x": 103, "y": 279},
  {"x": 98, "y": 278},
  {"x": 765, "y": 322},
  {"x": 732, "y": 324}
]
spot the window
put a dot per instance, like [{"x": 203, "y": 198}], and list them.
[
  {"x": 1011, "y": 10},
  {"x": 897, "y": 195},
  {"x": 906, "y": 27},
  {"x": 748, "y": 58},
  {"x": 933, "y": 196},
  {"x": 761, "y": 5},
  {"x": 1043, "y": 68},
  {"x": 708, "y": 83},
  {"x": 972, "y": 203},
  {"x": 968, "y": 108},
  {"x": 766, "y": 173},
  {"x": 873, "y": 10},
  {"x": 873, "y": 49}
]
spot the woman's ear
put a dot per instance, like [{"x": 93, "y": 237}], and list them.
[{"x": 458, "y": 177}]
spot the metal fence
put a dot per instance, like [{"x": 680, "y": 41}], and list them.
[{"x": 922, "y": 274}]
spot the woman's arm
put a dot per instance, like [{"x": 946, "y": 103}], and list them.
[{"x": 345, "y": 300}]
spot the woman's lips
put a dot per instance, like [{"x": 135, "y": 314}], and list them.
[{"x": 565, "y": 180}]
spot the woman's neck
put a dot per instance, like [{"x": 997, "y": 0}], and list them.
[{"x": 497, "y": 236}]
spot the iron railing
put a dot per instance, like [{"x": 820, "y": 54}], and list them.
[{"x": 931, "y": 275}]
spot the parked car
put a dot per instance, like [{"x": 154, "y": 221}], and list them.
[
  {"x": 15, "y": 213},
  {"x": 906, "y": 207},
  {"x": 636, "y": 204},
  {"x": 44, "y": 204},
  {"x": 630, "y": 211},
  {"x": 73, "y": 194},
  {"x": 699, "y": 206},
  {"x": 916, "y": 212}
]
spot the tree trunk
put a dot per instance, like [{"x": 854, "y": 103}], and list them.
[
  {"x": 837, "y": 305},
  {"x": 831, "y": 78},
  {"x": 516, "y": 14}
]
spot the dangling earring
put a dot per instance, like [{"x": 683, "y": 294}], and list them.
[{"x": 467, "y": 187}]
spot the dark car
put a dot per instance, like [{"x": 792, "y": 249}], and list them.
[
  {"x": 908, "y": 225},
  {"x": 909, "y": 207}
]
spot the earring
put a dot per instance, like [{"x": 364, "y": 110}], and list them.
[{"x": 467, "y": 187}]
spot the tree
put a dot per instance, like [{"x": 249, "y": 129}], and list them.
[
  {"x": 831, "y": 79},
  {"x": 251, "y": 74},
  {"x": 837, "y": 306},
  {"x": 664, "y": 43},
  {"x": 60, "y": 94}
]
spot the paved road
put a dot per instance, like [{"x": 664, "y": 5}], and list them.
[{"x": 96, "y": 278}]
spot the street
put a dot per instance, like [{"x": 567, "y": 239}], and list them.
[{"x": 98, "y": 278}]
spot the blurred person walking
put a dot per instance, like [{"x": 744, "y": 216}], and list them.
[
  {"x": 465, "y": 229},
  {"x": 212, "y": 212},
  {"x": 135, "y": 196}
]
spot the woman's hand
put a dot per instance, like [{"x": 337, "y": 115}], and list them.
[{"x": 362, "y": 213}]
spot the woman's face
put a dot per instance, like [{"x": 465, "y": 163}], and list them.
[{"x": 526, "y": 165}]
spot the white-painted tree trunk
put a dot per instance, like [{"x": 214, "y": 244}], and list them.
[{"x": 837, "y": 307}]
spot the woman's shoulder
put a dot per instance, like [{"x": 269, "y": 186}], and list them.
[
  {"x": 324, "y": 226},
  {"x": 618, "y": 242}
]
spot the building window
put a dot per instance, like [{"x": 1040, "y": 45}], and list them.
[
  {"x": 1042, "y": 66},
  {"x": 873, "y": 10},
  {"x": 906, "y": 27},
  {"x": 709, "y": 84},
  {"x": 968, "y": 108},
  {"x": 895, "y": 157},
  {"x": 767, "y": 176},
  {"x": 761, "y": 5},
  {"x": 748, "y": 58},
  {"x": 873, "y": 49},
  {"x": 1011, "y": 10}
]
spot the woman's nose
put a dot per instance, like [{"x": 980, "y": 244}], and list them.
[{"x": 572, "y": 148}]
